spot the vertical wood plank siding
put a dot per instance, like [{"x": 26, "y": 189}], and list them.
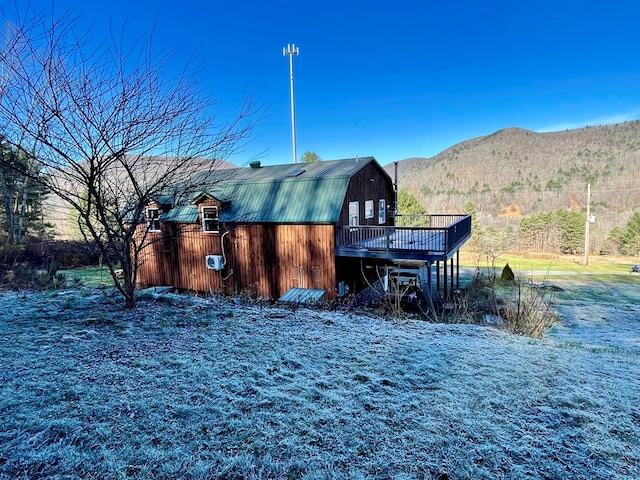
[
  {"x": 362, "y": 188},
  {"x": 270, "y": 259},
  {"x": 267, "y": 259},
  {"x": 152, "y": 267},
  {"x": 151, "y": 263}
]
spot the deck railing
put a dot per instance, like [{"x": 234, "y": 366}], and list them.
[
  {"x": 444, "y": 234},
  {"x": 437, "y": 221}
]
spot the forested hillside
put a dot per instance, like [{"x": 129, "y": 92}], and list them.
[{"x": 516, "y": 174}]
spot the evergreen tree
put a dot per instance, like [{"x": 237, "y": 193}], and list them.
[
  {"x": 628, "y": 238},
  {"x": 408, "y": 210},
  {"x": 571, "y": 225},
  {"x": 21, "y": 196}
]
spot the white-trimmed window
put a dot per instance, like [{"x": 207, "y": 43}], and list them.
[
  {"x": 368, "y": 209},
  {"x": 382, "y": 211},
  {"x": 153, "y": 219},
  {"x": 354, "y": 214},
  {"x": 210, "y": 219}
]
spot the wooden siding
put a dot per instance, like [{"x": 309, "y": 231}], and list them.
[
  {"x": 362, "y": 188},
  {"x": 266, "y": 260},
  {"x": 152, "y": 266},
  {"x": 189, "y": 267}
]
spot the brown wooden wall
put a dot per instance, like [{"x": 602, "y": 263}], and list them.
[
  {"x": 266, "y": 259},
  {"x": 152, "y": 267},
  {"x": 270, "y": 259},
  {"x": 361, "y": 189}
]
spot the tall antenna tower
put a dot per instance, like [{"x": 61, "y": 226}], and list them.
[{"x": 292, "y": 50}]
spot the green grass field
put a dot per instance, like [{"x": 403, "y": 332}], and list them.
[
  {"x": 90, "y": 276},
  {"x": 548, "y": 263}
]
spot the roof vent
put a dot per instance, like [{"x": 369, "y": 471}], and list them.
[
  {"x": 255, "y": 164},
  {"x": 296, "y": 173}
]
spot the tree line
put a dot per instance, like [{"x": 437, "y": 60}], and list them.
[
  {"x": 626, "y": 240},
  {"x": 22, "y": 197}
]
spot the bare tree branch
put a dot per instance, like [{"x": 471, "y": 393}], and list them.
[{"x": 110, "y": 129}]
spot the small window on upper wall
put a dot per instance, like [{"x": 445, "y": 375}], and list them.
[
  {"x": 354, "y": 214},
  {"x": 368, "y": 209},
  {"x": 153, "y": 219},
  {"x": 210, "y": 219},
  {"x": 382, "y": 211}
]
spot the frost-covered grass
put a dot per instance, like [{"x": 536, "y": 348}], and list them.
[{"x": 198, "y": 388}]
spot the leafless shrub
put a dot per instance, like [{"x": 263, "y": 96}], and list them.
[
  {"x": 518, "y": 307},
  {"x": 474, "y": 303},
  {"x": 527, "y": 310}
]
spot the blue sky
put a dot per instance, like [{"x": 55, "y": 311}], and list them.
[{"x": 397, "y": 79}]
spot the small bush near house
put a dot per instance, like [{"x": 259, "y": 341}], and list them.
[{"x": 518, "y": 307}]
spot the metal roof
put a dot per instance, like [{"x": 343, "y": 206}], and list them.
[
  {"x": 288, "y": 172},
  {"x": 292, "y": 193},
  {"x": 183, "y": 214},
  {"x": 302, "y": 295},
  {"x": 314, "y": 200}
]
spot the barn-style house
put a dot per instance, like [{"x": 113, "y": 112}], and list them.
[{"x": 315, "y": 229}]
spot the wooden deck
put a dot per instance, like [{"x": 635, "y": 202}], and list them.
[{"x": 437, "y": 242}]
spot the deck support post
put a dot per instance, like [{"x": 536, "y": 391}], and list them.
[
  {"x": 452, "y": 277},
  {"x": 458, "y": 270},
  {"x": 438, "y": 277},
  {"x": 445, "y": 281}
]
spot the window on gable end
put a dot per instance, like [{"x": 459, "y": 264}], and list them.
[
  {"x": 354, "y": 214},
  {"x": 210, "y": 219},
  {"x": 153, "y": 219},
  {"x": 368, "y": 209},
  {"x": 382, "y": 211}
]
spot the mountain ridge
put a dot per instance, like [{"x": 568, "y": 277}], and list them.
[{"x": 514, "y": 172}]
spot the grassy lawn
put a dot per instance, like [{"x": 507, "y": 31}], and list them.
[
  {"x": 89, "y": 276},
  {"x": 197, "y": 388},
  {"x": 545, "y": 263}
]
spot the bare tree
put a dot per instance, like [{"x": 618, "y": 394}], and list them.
[{"x": 110, "y": 129}]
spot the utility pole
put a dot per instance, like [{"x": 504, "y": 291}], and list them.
[
  {"x": 586, "y": 226},
  {"x": 292, "y": 50}
]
